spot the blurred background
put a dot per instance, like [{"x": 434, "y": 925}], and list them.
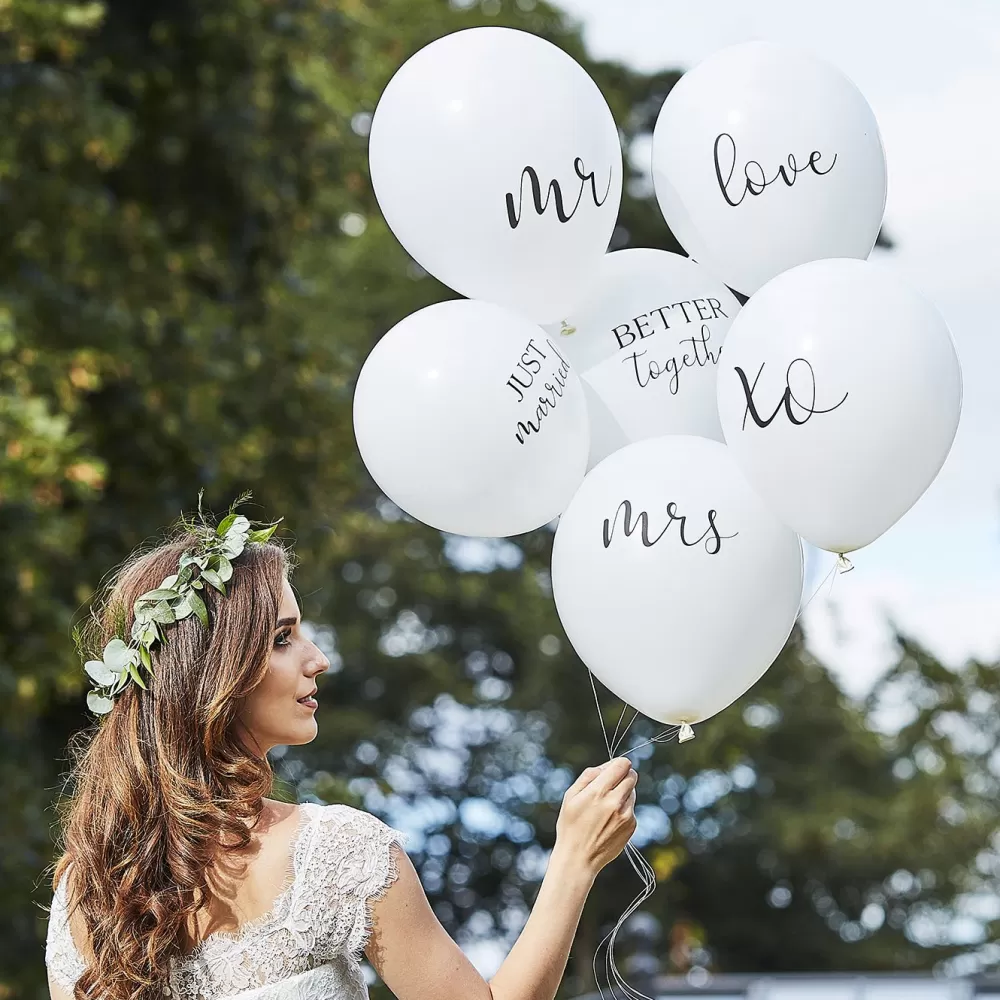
[{"x": 193, "y": 269}]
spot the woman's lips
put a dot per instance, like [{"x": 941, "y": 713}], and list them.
[{"x": 308, "y": 702}]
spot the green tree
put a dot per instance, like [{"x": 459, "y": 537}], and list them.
[{"x": 192, "y": 272}]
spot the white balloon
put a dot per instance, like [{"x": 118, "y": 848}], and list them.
[
  {"x": 648, "y": 338},
  {"x": 469, "y": 419},
  {"x": 674, "y": 582},
  {"x": 606, "y": 434},
  {"x": 496, "y": 162},
  {"x": 765, "y": 157},
  {"x": 856, "y": 392}
]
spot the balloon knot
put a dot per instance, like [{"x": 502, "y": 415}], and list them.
[
  {"x": 686, "y": 733},
  {"x": 844, "y": 565}
]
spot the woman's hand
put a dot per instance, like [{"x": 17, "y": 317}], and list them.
[{"x": 597, "y": 817}]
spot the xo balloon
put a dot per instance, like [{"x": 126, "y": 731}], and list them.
[
  {"x": 764, "y": 158},
  {"x": 674, "y": 582},
  {"x": 496, "y": 162},
  {"x": 840, "y": 393},
  {"x": 469, "y": 419},
  {"x": 647, "y": 340}
]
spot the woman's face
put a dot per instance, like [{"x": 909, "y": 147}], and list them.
[{"x": 278, "y": 712}]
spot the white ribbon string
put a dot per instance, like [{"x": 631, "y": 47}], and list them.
[{"x": 639, "y": 864}]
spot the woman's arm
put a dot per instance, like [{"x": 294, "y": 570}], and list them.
[{"x": 418, "y": 960}]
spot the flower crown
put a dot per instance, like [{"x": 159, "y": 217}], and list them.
[{"x": 208, "y": 562}]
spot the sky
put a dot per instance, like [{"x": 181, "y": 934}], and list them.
[{"x": 931, "y": 72}]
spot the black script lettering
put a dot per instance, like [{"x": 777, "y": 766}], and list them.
[
  {"x": 528, "y": 426},
  {"x": 529, "y": 366},
  {"x": 701, "y": 315},
  {"x": 625, "y": 328},
  {"x": 788, "y": 397},
  {"x": 554, "y": 193},
  {"x": 711, "y": 537},
  {"x": 672, "y": 366},
  {"x": 755, "y": 180},
  {"x": 717, "y": 309}
]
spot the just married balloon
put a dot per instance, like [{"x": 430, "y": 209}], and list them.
[
  {"x": 470, "y": 420},
  {"x": 765, "y": 157},
  {"x": 840, "y": 393},
  {"x": 647, "y": 340},
  {"x": 675, "y": 583},
  {"x": 496, "y": 162}
]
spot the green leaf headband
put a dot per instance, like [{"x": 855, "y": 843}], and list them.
[{"x": 176, "y": 597}]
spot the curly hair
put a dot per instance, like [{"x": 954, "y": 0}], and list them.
[{"x": 167, "y": 777}]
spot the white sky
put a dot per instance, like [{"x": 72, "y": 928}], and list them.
[{"x": 931, "y": 72}]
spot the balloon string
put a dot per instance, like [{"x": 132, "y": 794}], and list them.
[
  {"x": 839, "y": 568},
  {"x": 639, "y": 864}
]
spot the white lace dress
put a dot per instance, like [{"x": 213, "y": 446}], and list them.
[{"x": 308, "y": 946}]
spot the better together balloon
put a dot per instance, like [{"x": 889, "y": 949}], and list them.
[
  {"x": 675, "y": 584},
  {"x": 764, "y": 158},
  {"x": 647, "y": 340},
  {"x": 840, "y": 394},
  {"x": 496, "y": 162},
  {"x": 469, "y": 419}
]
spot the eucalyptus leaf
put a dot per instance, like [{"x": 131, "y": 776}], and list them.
[
  {"x": 134, "y": 674},
  {"x": 233, "y": 547},
  {"x": 198, "y": 607},
  {"x": 225, "y": 524},
  {"x": 116, "y": 655},
  {"x": 262, "y": 534},
  {"x": 211, "y": 577},
  {"x": 146, "y": 659},
  {"x": 100, "y": 672},
  {"x": 225, "y": 569},
  {"x": 183, "y": 607},
  {"x": 240, "y": 525},
  {"x": 160, "y": 594},
  {"x": 164, "y": 614},
  {"x": 98, "y": 703}
]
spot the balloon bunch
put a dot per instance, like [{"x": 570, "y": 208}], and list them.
[{"x": 686, "y": 444}]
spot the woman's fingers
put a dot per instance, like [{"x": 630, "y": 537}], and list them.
[
  {"x": 628, "y": 803},
  {"x": 611, "y": 775},
  {"x": 627, "y": 790}
]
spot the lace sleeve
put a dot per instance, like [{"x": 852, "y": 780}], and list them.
[
  {"x": 351, "y": 864},
  {"x": 63, "y": 960}
]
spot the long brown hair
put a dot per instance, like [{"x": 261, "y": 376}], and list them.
[{"x": 168, "y": 776}]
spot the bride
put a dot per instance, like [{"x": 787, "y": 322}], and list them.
[{"x": 178, "y": 878}]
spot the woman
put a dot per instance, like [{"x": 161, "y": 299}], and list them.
[{"x": 179, "y": 878}]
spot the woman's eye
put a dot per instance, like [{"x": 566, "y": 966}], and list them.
[{"x": 283, "y": 638}]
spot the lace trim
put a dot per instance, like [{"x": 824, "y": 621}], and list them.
[
  {"x": 390, "y": 875},
  {"x": 281, "y": 902},
  {"x": 61, "y": 956},
  {"x": 354, "y": 847}
]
